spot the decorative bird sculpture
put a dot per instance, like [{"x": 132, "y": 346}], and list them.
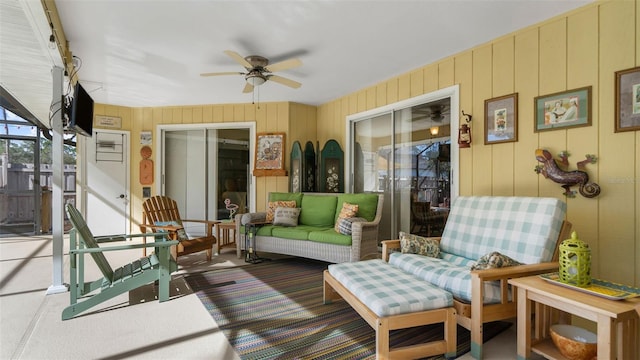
[
  {"x": 549, "y": 169},
  {"x": 233, "y": 208}
]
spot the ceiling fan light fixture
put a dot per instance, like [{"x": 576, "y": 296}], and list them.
[{"x": 255, "y": 78}]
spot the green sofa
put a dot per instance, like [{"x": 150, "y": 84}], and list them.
[{"x": 315, "y": 237}]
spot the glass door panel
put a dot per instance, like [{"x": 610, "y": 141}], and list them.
[
  {"x": 372, "y": 160},
  {"x": 411, "y": 168},
  {"x": 233, "y": 172}
]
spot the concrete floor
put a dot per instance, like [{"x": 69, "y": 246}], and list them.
[{"x": 132, "y": 325}]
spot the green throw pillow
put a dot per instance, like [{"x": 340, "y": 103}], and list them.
[
  {"x": 494, "y": 260},
  {"x": 414, "y": 244},
  {"x": 367, "y": 204},
  {"x": 318, "y": 210},
  {"x": 280, "y": 196}
]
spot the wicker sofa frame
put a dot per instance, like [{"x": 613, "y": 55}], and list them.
[{"x": 364, "y": 241}]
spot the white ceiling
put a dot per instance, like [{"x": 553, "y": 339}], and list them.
[{"x": 150, "y": 53}]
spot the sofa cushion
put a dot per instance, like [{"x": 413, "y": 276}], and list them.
[
  {"x": 386, "y": 290},
  {"x": 300, "y": 232},
  {"x": 318, "y": 210},
  {"x": 345, "y": 226},
  {"x": 330, "y": 236},
  {"x": 273, "y": 205},
  {"x": 523, "y": 228},
  {"x": 445, "y": 275},
  {"x": 494, "y": 260},
  {"x": 367, "y": 204},
  {"x": 347, "y": 211},
  {"x": 414, "y": 244},
  {"x": 280, "y": 196}
]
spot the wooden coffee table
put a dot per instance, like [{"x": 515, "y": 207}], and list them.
[{"x": 617, "y": 320}]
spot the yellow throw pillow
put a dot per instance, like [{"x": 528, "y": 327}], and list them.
[
  {"x": 273, "y": 205},
  {"x": 348, "y": 211}
]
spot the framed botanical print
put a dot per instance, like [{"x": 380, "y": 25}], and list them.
[
  {"x": 501, "y": 119},
  {"x": 269, "y": 156},
  {"x": 627, "y": 100}
]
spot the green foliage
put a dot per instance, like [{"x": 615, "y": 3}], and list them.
[{"x": 22, "y": 152}]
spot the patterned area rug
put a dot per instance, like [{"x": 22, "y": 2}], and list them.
[{"x": 274, "y": 310}]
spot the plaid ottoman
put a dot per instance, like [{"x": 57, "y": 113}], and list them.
[
  {"x": 389, "y": 299},
  {"x": 387, "y": 290}
]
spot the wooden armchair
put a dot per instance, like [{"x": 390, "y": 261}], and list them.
[
  {"x": 472, "y": 229},
  {"x": 160, "y": 213},
  {"x": 473, "y": 315},
  {"x": 155, "y": 267}
]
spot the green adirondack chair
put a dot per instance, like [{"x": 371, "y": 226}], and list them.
[{"x": 156, "y": 267}]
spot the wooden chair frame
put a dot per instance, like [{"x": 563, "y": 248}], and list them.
[
  {"x": 157, "y": 267},
  {"x": 164, "y": 209},
  {"x": 472, "y": 316}
]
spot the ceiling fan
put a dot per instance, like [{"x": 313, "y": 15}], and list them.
[
  {"x": 433, "y": 112},
  {"x": 259, "y": 71}
]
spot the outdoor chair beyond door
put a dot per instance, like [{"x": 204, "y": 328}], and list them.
[
  {"x": 160, "y": 213},
  {"x": 158, "y": 266}
]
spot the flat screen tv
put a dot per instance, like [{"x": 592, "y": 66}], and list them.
[{"x": 81, "y": 117}]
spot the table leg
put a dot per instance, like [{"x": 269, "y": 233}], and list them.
[
  {"x": 606, "y": 338},
  {"x": 524, "y": 325}
]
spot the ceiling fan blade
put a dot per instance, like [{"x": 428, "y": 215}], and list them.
[
  {"x": 248, "y": 88},
  {"x": 222, "y": 73},
  {"x": 284, "y": 65},
  {"x": 285, "y": 81},
  {"x": 239, "y": 59}
]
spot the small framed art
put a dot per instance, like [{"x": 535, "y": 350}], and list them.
[
  {"x": 269, "y": 157},
  {"x": 628, "y": 100},
  {"x": 563, "y": 110},
  {"x": 501, "y": 119}
]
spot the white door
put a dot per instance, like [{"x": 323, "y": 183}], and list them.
[{"x": 107, "y": 182}]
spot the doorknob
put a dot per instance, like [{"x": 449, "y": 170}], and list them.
[{"x": 122, "y": 196}]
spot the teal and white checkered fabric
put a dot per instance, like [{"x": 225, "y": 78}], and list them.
[
  {"x": 449, "y": 276},
  {"x": 523, "y": 228},
  {"x": 387, "y": 290}
]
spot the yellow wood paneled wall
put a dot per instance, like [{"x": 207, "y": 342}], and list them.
[
  {"x": 297, "y": 121},
  {"x": 581, "y": 48}
]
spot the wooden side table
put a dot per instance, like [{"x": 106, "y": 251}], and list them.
[
  {"x": 617, "y": 320},
  {"x": 224, "y": 234}
]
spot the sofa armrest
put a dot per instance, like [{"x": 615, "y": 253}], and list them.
[
  {"x": 478, "y": 277},
  {"x": 387, "y": 247},
  {"x": 514, "y": 271},
  {"x": 364, "y": 239}
]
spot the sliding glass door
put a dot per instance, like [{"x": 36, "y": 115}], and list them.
[
  {"x": 404, "y": 152},
  {"x": 202, "y": 167}
]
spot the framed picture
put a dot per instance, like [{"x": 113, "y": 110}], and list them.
[
  {"x": 501, "y": 119},
  {"x": 269, "y": 156},
  {"x": 562, "y": 110},
  {"x": 628, "y": 100}
]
